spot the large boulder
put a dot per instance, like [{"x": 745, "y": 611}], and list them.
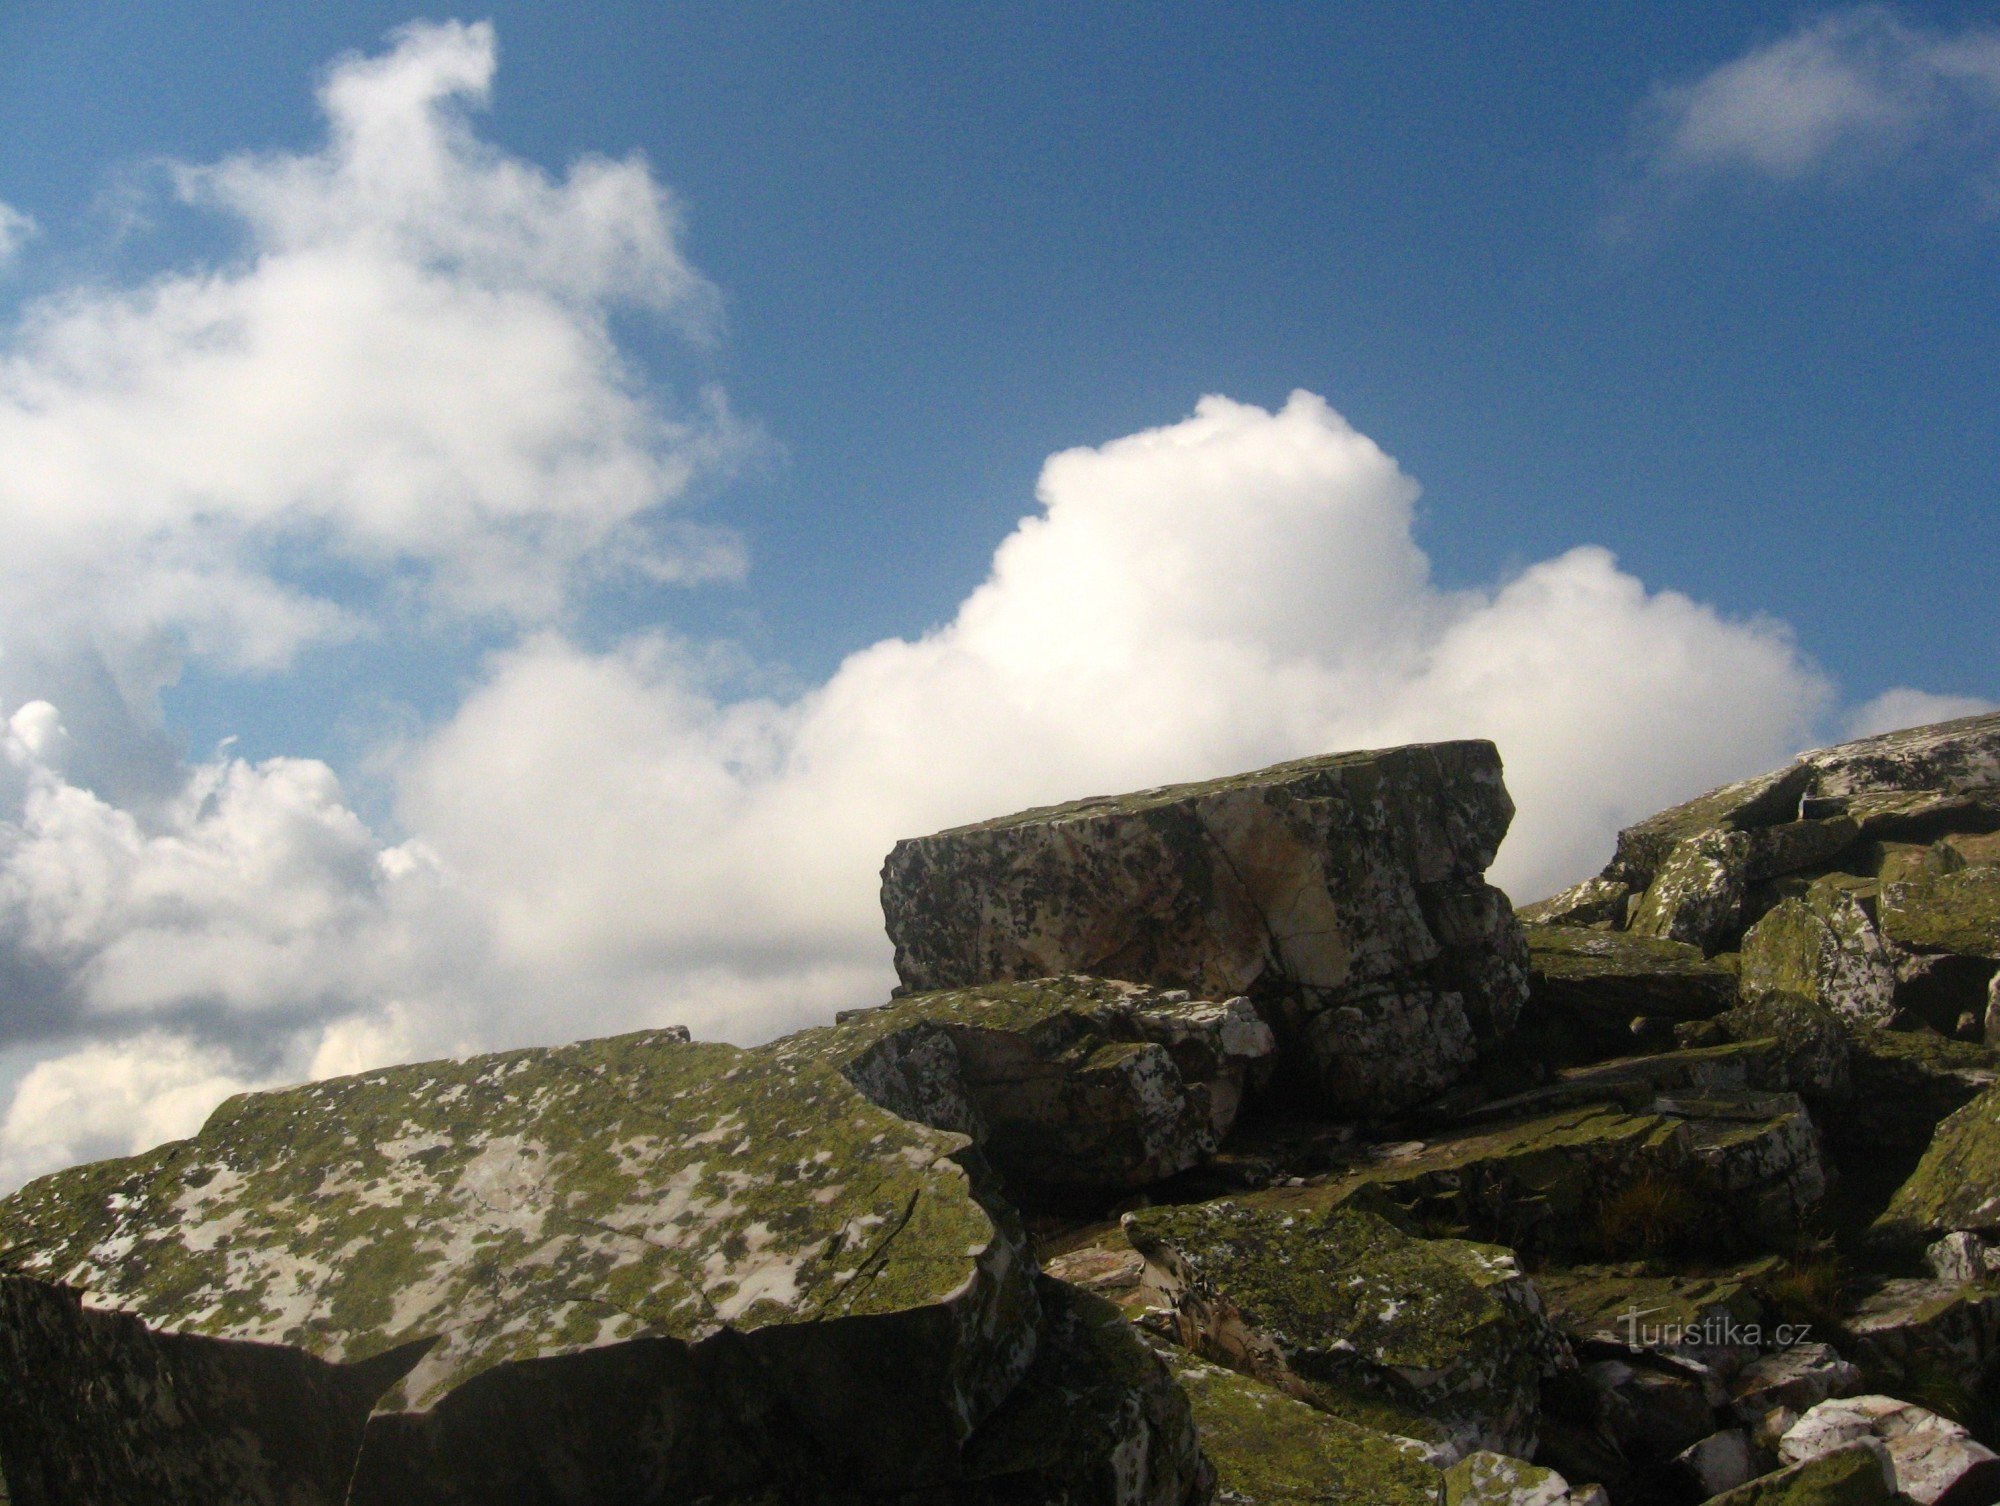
[
  {"x": 1606, "y": 979},
  {"x": 1930, "y": 1456},
  {"x": 1344, "y": 895},
  {"x": 1061, "y": 1081},
  {"x": 628, "y": 1268},
  {"x": 1305, "y": 1294},
  {"x": 1823, "y": 950},
  {"x": 1856, "y": 1474}
]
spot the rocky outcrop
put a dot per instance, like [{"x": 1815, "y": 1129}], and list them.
[
  {"x": 1606, "y": 979},
  {"x": 1344, "y": 895},
  {"x": 1929, "y": 1456},
  {"x": 549, "y": 1274},
  {"x": 1305, "y": 1293}
]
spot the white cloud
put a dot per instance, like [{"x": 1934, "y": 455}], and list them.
[
  {"x": 110, "y": 1099},
  {"x": 1904, "y": 707},
  {"x": 1845, "y": 88},
  {"x": 1224, "y": 592},
  {"x": 406, "y": 381}
]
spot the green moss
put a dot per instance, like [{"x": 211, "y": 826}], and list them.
[
  {"x": 1851, "y": 1476},
  {"x": 1950, "y": 912},
  {"x": 1272, "y": 1450}
]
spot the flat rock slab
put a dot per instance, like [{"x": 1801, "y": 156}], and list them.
[
  {"x": 1952, "y": 912},
  {"x": 1062, "y": 1081},
  {"x": 1858, "y": 1474},
  {"x": 1609, "y": 977},
  {"x": 1305, "y": 1293},
  {"x": 1344, "y": 894},
  {"x": 542, "y": 1275},
  {"x": 1715, "y": 1320},
  {"x": 1740, "y": 1167}
]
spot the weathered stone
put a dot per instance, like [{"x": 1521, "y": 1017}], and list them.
[
  {"x": 1707, "y": 1319},
  {"x": 1953, "y": 912},
  {"x": 1061, "y": 1081},
  {"x": 1824, "y": 950},
  {"x": 1764, "y": 801},
  {"x": 1697, "y": 896},
  {"x": 1962, "y": 1257},
  {"x": 1594, "y": 902},
  {"x": 1857, "y": 1475},
  {"x": 1611, "y": 976},
  {"x": 1097, "y": 1421},
  {"x": 1813, "y": 1044},
  {"x": 1302, "y": 1292},
  {"x": 1907, "y": 1082},
  {"x": 1343, "y": 894},
  {"x": 1926, "y": 1331},
  {"x": 1633, "y": 1082},
  {"x": 1721, "y": 1461},
  {"x": 629, "y": 1260},
  {"x": 1270, "y": 1449},
  {"x": 1775, "y": 851},
  {"x": 1650, "y": 1410},
  {"x": 1581, "y": 1178},
  {"x": 1796, "y": 1379},
  {"x": 1949, "y": 757},
  {"x": 1489, "y": 1479},
  {"x": 1957, "y": 1183},
  {"x": 1929, "y": 1455}
]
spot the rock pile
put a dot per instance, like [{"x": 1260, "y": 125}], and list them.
[{"x": 1231, "y": 1142}]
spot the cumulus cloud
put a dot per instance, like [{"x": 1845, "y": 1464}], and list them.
[
  {"x": 1847, "y": 88},
  {"x": 15, "y": 228},
  {"x": 405, "y": 383}
]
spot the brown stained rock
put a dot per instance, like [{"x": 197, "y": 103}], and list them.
[{"x": 1343, "y": 894}]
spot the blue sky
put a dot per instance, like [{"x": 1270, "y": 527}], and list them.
[{"x": 1706, "y": 286}]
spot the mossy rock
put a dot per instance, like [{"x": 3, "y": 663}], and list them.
[
  {"x": 1957, "y": 1183},
  {"x": 1814, "y": 1046},
  {"x": 1857, "y": 1475},
  {"x": 1746, "y": 805},
  {"x": 1344, "y": 894},
  {"x": 1633, "y": 1082},
  {"x": 1611, "y": 976},
  {"x": 1595, "y": 903},
  {"x": 1270, "y": 1449},
  {"x": 1490, "y": 1479},
  {"x": 1062, "y": 1082},
  {"x": 1697, "y": 896},
  {"x": 1564, "y": 1184},
  {"x": 535, "y": 1262},
  {"x": 1822, "y": 950},
  {"x": 1305, "y": 1292},
  {"x": 1951, "y": 912}
]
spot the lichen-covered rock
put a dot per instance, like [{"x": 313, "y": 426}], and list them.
[
  {"x": 1767, "y": 800},
  {"x": 1271, "y": 1449},
  {"x": 1950, "y": 758},
  {"x": 1697, "y": 896},
  {"x": 1608, "y": 977},
  {"x": 1651, "y": 1409},
  {"x": 1343, "y": 894},
  {"x": 1858, "y": 1474},
  {"x": 1762, "y": 1151},
  {"x": 1906, "y": 1083},
  {"x": 1303, "y": 1292},
  {"x": 1097, "y": 1421},
  {"x": 1822, "y": 950},
  {"x": 1950, "y": 912},
  {"x": 1594, "y": 902},
  {"x": 1957, "y": 1183},
  {"x": 1633, "y": 1082},
  {"x": 1489, "y": 1479},
  {"x": 1929, "y": 1456},
  {"x": 1814, "y": 1045},
  {"x": 1061, "y": 1081},
  {"x": 1962, "y": 1257},
  {"x": 551, "y": 1274}
]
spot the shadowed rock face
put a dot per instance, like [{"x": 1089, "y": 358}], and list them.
[
  {"x": 1079, "y": 1082},
  {"x": 592, "y": 1272},
  {"x": 1343, "y": 894}
]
